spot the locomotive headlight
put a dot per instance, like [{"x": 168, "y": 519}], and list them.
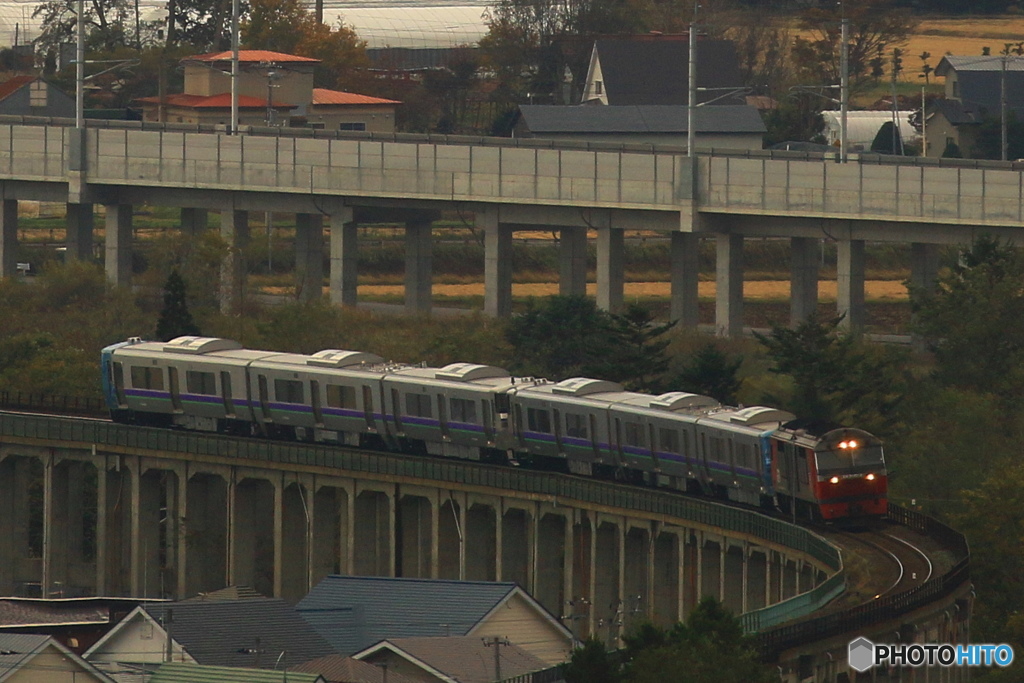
[
  {"x": 852, "y": 443},
  {"x": 834, "y": 480},
  {"x": 843, "y": 445},
  {"x": 870, "y": 477}
]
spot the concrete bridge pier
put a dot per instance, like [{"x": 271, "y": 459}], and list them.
[
  {"x": 610, "y": 269},
  {"x": 606, "y": 573},
  {"x": 374, "y": 540},
  {"x": 418, "y": 267},
  {"x": 850, "y": 283},
  {"x": 344, "y": 257},
  {"x": 414, "y": 531},
  {"x": 638, "y": 573},
  {"x": 114, "y": 488},
  {"x": 572, "y": 261},
  {"x": 293, "y": 528},
  {"x": 78, "y": 239},
  {"x": 205, "y": 532},
  {"x": 497, "y": 264},
  {"x": 253, "y": 535},
  {"x": 309, "y": 256},
  {"x": 518, "y": 538},
  {"x": 552, "y": 563},
  {"x": 734, "y": 577},
  {"x": 330, "y": 529},
  {"x": 667, "y": 579},
  {"x": 757, "y": 579},
  {"x": 8, "y": 237},
  {"x": 480, "y": 542},
  {"x": 803, "y": 287},
  {"x": 729, "y": 285},
  {"x": 118, "y": 244},
  {"x": 685, "y": 301},
  {"x": 581, "y": 582},
  {"x": 193, "y": 221},
  {"x": 234, "y": 229}
]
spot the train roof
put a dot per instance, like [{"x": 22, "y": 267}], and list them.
[
  {"x": 578, "y": 390},
  {"x": 192, "y": 349},
  {"x": 466, "y": 374}
]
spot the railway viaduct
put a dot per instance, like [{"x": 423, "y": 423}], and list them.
[
  {"x": 504, "y": 185},
  {"x": 89, "y": 507}
]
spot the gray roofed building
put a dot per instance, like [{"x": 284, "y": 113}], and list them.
[
  {"x": 654, "y": 69},
  {"x": 354, "y": 612},
  {"x": 32, "y": 657},
  {"x": 452, "y": 660},
  {"x": 730, "y": 126},
  {"x": 243, "y": 633},
  {"x": 977, "y": 81},
  {"x": 338, "y": 669}
]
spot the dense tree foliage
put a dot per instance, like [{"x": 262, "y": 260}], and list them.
[
  {"x": 175, "y": 318},
  {"x": 712, "y": 373}
]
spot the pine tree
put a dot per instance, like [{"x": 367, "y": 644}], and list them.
[{"x": 175, "y": 319}]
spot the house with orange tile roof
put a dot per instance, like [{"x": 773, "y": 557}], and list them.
[{"x": 274, "y": 89}]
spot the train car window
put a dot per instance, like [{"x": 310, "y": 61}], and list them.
[
  {"x": 634, "y": 434},
  {"x": 314, "y": 395},
  {"x": 463, "y": 410},
  {"x": 745, "y": 460},
  {"x": 418, "y": 405},
  {"x": 715, "y": 452},
  {"x": 225, "y": 390},
  {"x": 669, "y": 439},
  {"x": 289, "y": 391},
  {"x": 368, "y": 406},
  {"x": 146, "y": 377},
  {"x": 488, "y": 420},
  {"x": 341, "y": 397},
  {"x": 576, "y": 425},
  {"x": 442, "y": 416},
  {"x": 802, "y": 476},
  {"x": 558, "y": 427},
  {"x": 264, "y": 397},
  {"x": 538, "y": 420},
  {"x": 593, "y": 434},
  {"x": 119, "y": 384},
  {"x": 172, "y": 377},
  {"x": 203, "y": 383}
]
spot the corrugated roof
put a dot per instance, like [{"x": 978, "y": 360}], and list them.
[
  {"x": 225, "y": 633},
  {"x": 176, "y": 672},
  {"x": 640, "y": 119},
  {"x": 324, "y": 96},
  {"x": 228, "y": 593},
  {"x": 466, "y": 659},
  {"x": 221, "y": 101},
  {"x": 643, "y": 70},
  {"x": 955, "y": 111},
  {"x": 22, "y": 613},
  {"x": 250, "y": 56},
  {"x": 11, "y": 85},
  {"x": 17, "y": 648},
  {"x": 978, "y": 63},
  {"x": 338, "y": 669},
  {"x": 354, "y": 612}
]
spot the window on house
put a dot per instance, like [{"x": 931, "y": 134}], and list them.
[
  {"x": 956, "y": 89},
  {"x": 37, "y": 94},
  {"x": 352, "y": 126},
  {"x": 598, "y": 88}
]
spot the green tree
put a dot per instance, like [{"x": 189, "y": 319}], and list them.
[
  {"x": 888, "y": 140},
  {"x": 637, "y": 358},
  {"x": 592, "y": 663},
  {"x": 560, "y": 337},
  {"x": 175, "y": 319},
  {"x": 973, "y": 321},
  {"x": 711, "y": 372},
  {"x": 796, "y": 118}
]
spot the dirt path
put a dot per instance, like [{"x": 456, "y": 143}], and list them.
[{"x": 875, "y": 290}]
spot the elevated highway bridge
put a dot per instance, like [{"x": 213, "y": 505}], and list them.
[
  {"x": 89, "y": 507},
  {"x": 504, "y": 185}
]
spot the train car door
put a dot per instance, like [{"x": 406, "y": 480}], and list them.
[
  {"x": 122, "y": 402},
  {"x": 442, "y": 417},
  {"x": 488, "y": 414},
  {"x": 395, "y": 407},
  {"x": 368, "y": 408},
  {"x": 314, "y": 401},
  {"x": 172, "y": 377},
  {"x": 225, "y": 393},
  {"x": 557, "y": 414},
  {"x": 264, "y": 398}
]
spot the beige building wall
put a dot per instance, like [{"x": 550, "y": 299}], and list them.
[
  {"x": 53, "y": 666},
  {"x": 520, "y": 622},
  {"x": 294, "y": 84},
  {"x": 400, "y": 665},
  {"x": 378, "y": 118}
]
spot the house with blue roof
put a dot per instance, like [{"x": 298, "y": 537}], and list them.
[{"x": 353, "y": 613}]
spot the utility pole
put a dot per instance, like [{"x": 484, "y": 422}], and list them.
[
  {"x": 691, "y": 96},
  {"x": 496, "y": 643},
  {"x": 1002, "y": 106},
  {"x": 844, "y": 85},
  {"x": 234, "y": 67}
]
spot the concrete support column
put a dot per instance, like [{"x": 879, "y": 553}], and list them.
[
  {"x": 278, "y": 570},
  {"x": 135, "y": 531},
  {"x": 499, "y": 540},
  {"x": 344, "y": 258},
  {"x": 118, "y": 244},
  {"x": 924, "y": 271},
  {"x": 745, "y": 587},
  {"x": 231, "y": 566},
  {"x": 8, "y": 237},
  {"x": 569, "y": 595},
  {"x": 194, "y": 221},
  {"x": 685, "y": 272},
  {"x": 101, "y": 526},
  {"x": 497, "y": 265},
  {"x": 418, "y": 273},
  {"x": 610, "y": 269},
  {"x": 50, "y": 508},
  {"x": 729, "y": 285},
  {"x": 180, "y": 538},
  {"x": 234, "y": 229},
  {"x": 79, "y": 232},
  {"x": 803, "y": 279},
  {"x": 572, "y": 261},
  {"x": 435, "y": 538},
  {"x": 850, "y": 283},
  {"x": 309, "y": 256}
]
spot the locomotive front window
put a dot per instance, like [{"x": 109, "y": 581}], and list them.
[
  {"x": 576, "y": 425},
  {"x": 289, "y": 391},
  {"x": 341, "y": 397},
  {"x": 147, "y": 377},
  {"x": 859, "y": 458},
  {"x": 200, "y": 383}
]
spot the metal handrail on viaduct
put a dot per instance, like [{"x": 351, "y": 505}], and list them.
[
  {"x": 690, "y": 540},
  {"x": 509, "y": 184}
]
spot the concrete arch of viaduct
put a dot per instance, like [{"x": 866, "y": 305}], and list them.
[{"x": 84, "y": 519}]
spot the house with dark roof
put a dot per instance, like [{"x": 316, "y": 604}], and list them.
[
  {"x": 28, "y": 657},
  {"x": 973, "y": 92},
  {"x": 354, "y": 612},
  {"x": 273, "y": 89},
  {"x": 338, "y": 669},
  {"x": 462, "y": 659},
  {"x": 176, "y": 672},
  {"x": 33, "y": 96},
  {"x": 654, "y": 69},
  {"x": 727, "y": 126},
  {"x": 251, "y": 633}
]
